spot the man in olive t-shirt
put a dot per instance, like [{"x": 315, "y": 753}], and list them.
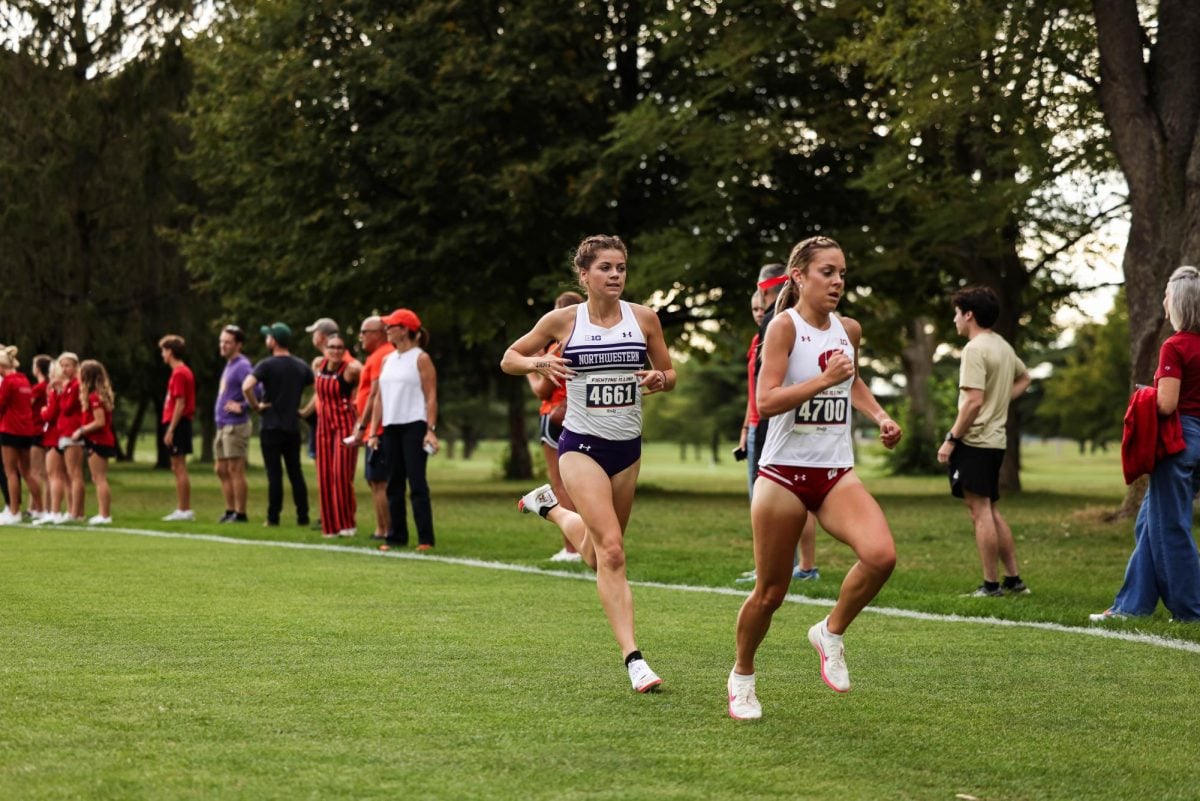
[{"x": 990, "y": 377}]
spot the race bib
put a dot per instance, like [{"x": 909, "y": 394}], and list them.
[
  {"x": 822, "y": 414},
  {"x": 608, "y": 394}
]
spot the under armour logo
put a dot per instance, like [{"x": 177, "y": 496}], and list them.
[
  {"x": 585, "y": 447},
  {"x": 803, "y": 477}
]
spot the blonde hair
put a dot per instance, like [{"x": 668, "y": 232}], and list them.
[
  {"x": 66, "y": 354},
  {"x": 94, "y": 378},
  {"x": 802, "y": 255},
  {"x": 1183, "y": 299},
  {"x": 8, "y": 357}
]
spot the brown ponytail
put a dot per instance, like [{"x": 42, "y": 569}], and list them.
[{"x": 802, "y": 256}]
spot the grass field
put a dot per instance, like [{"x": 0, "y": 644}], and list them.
[{"x": 146, "y": 667}]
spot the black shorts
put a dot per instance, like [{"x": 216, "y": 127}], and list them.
[
  {"x": 106, "y": 451},
  {"x": 548, "y": 432},
  {"x": 18, "y": 441},
  {"x": 181, "y": 443},
  {"x": 376, "y": 463},
  {"x": 975, "y": 470}
]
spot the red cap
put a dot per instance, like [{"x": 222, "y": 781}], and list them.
[{"x": 403, "y": 317}]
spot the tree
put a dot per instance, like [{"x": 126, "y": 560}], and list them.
[
  {"x": 1082, "y": 399},
  {"x": 89, "y": 177},
  {"x": 981, "y": 124}
]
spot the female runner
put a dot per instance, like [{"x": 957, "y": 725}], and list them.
[
  {"x": 604, "y": 367},
  {"x": 808, "y": 383}
]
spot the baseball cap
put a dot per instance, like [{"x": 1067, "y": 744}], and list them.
[
  {"x": 281, "y": 333},
  {"x": 403, "y": 317},
  {"x": 325, "y": 325}
]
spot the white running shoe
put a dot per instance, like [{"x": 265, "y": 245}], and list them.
[
  {"x": 743, "y": 703},
  {"x": 566, "y": 556},
  {"x": 833, "y": 656},
  {"x": 7, "y": 518},
  {"x": 348, "y": 532},
  {"x": 180, "y": 514},
  {"x": 539, "y": 500},
  {"x": 99, "y": 520},
  {"x": 643, "y": 678}
]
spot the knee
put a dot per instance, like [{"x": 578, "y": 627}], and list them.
[
  {"x": 768, "y": 599},
  {"x": 880, "y": 559},
  {"x": 610, "y": 556},
  {"x": 222, "y": 470}
]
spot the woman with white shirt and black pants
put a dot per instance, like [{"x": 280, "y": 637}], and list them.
[{"x": 404, "y": 399}]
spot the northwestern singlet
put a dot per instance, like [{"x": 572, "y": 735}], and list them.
[
  {"x": 817, "y": 432},
  {"x": 603, "y": 398}
]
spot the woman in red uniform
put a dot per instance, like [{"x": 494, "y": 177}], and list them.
[
  {"x": 40, "y": 503},
  {"x": 335, "y": 379},
  {"x": 17, "y": 433},
  {"x": 96, "y": 432},
  {"x": 70, "y": 417}
]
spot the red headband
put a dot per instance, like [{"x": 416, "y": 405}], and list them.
[{"x": 771, "y": 283}]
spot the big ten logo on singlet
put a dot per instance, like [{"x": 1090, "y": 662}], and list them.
[{"x": 608, "y": 393}]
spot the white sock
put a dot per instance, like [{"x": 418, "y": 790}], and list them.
[
  {"x": 828, "y": 633},
  {"x": 738, "y": 678}
]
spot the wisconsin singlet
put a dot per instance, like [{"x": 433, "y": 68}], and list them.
[
  {"x": 817, "y": 432},
  {"x": 603, "y": 398}
]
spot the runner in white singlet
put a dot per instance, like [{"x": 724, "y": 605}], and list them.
[
  {"x": 807, "y": 385},
  {"x": 604, "y": 365}
]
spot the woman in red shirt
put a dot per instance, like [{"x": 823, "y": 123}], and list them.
[
  {"x": 40, "y": 504},
  {"x": 67, "y": 416},
  {"x": 96, "y": 432},
  {"x": 17, "y": 433}
]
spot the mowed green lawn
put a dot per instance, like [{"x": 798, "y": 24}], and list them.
[{"x": 142, "y": 667}]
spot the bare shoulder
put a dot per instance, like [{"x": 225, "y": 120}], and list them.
[
  {"x": 646, "y": 316},
  {"x": 853, "y": 327}
]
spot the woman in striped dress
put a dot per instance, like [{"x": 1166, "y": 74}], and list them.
[{"x": 335, "y": 379}]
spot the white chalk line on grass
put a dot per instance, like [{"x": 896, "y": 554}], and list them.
[{"x": 1089, "y": 631}]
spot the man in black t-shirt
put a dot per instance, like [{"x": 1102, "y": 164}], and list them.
[{"x": 283, "y": 378}]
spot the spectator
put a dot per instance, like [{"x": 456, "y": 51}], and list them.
[
  {"x": 232, "y": 443},
  {"x": 17, "y": 434},
  {"x": 97, "y": 433},
  {"x": 40, "y": 505},
  {"x": 178, "y": 410},
  {"x": 335, "y": 378},
  {"x": 320, "y": 330},
  {"x": 283, "y": 378},
  {"x": 990, "y": 377},
  {"x": 771, "y": 279},
  {"x": 373, "y": 335},
  {"x": 405, "y": 402},
  {"x": 1165, "y": 563}
]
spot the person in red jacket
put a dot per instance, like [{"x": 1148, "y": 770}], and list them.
[
  {"x": 1165, "y": 563},
  {"x": 17, "y": 433},
  {"x": 96, "y": 431},
  {"x": 177, "y": 414}
]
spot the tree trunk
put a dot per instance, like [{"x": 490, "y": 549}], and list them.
[
  {"x": 135, "y": 429},
  {"x": 1152, "y": 108},
  {"x": 520, "y": 465},
  {"x": 920, "y": 435}
]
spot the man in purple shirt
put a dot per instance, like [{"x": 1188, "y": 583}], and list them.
[{"x": 233, "y": 425}]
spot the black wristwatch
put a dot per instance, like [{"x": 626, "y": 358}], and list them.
[{"x": 951, "y": 438}]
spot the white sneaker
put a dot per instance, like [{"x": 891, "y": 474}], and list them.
[
  {"x": 567, "y": 556},
  {"x": 643, "y": 678},
  {"x": 7, "y": 518},
  {"x": 348, "y": 532},
  {"x": 180, "y": 514},
  {"x": 540, "y": 500},
  {"x": 833, "y": 656},
  {"x": 743, "y": 703},
  {"x": 99, "y": 520}
]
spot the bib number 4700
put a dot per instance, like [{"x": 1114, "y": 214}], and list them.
[{"x": 822, "y": 411}]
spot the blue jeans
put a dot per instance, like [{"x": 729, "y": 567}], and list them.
[{"x": 1165, "y": 562}]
